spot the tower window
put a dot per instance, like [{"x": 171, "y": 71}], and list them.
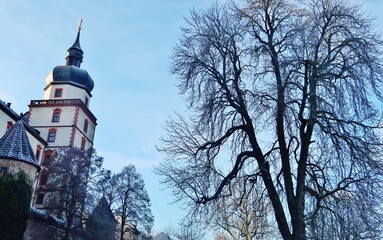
[
  {"x": 39, "y": 199},
  {"x": 3, "y": 170},
  {"x": 38, "y": 152},
  {"x": 86, "y": 123},
  {"x": 58, "y": 92},
  {"x": 43, "y": 179},
  {"x": 83, "y": 141},
  {"x": 52, "y": 135},
  {"x": 56, "y": 115},
  {"x": 86, "y": 101},
  {"x": 47, "y": 158}
]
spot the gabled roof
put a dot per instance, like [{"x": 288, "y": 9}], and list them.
[{"x": 15, "y": 145}]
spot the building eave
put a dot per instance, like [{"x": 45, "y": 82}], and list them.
[{"x": 16, "y": 117}]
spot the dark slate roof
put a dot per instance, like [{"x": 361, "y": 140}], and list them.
[
  {"x": 103, "y": 212},
  {"x": 75, "y": 53},
  {"x": 15, "y": 145},
  {"x": 70, "y": 74},
  {"x": 76, "y": 44}
]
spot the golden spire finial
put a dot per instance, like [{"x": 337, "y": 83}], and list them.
[{"x": 79, "y": 24}]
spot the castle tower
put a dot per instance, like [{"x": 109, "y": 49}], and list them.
[
  {"x": 16, "y": 153},
  {"x": 63, "y": 117}
]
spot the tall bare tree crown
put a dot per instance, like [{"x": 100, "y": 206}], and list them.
[{"x": 285, "y": 94}]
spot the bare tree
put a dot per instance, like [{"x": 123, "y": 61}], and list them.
[
  {"x": 288, "y": 92},
  {"x": 350, "y": 218},
  {"x": 105, "y": 186},
  {"x": 246, "y": 216},
  {"x": 70, "y": 172},
  {"x": 126, "y": 194},
  {"x": 188, "y": 230}
]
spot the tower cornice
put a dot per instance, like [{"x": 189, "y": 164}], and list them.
[{"x": 64, "y": 103}]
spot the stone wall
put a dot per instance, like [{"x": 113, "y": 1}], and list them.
[
  {"x": 42, "y": 226},
  {"x": 14, "y": 167},
  {"x": 38, "y": 230}
]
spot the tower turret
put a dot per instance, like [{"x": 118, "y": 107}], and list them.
[{"x": 16, "y": 152}]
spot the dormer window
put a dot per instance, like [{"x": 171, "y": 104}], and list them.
[{"x": 58, "y": 92}]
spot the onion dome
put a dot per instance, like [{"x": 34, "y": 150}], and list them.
[
  {"x": 71, "y": 73},
  {"x": 15, "y": 145}
]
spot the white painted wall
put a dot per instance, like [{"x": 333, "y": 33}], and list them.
[
  {"x": 42, "y": 116},
  {"x": 4, "y": 118},
  {"x": 91, "y": 127},
  {"x": 41, "y": 119},
  {"x": 69, "y": 91}
]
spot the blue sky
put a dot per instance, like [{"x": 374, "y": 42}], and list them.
[{"x": 126, "y": 47}]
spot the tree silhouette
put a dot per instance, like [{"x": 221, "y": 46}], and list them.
[
  {"x": 129, "y": 201},
  {"x": 70, "y": 172},
  {"x": 286, "y": 93}
]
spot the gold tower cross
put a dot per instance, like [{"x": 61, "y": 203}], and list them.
[{"x": 79, "y": 24}]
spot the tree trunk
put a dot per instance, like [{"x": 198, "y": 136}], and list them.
[{"x": 122, "y": 229}]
